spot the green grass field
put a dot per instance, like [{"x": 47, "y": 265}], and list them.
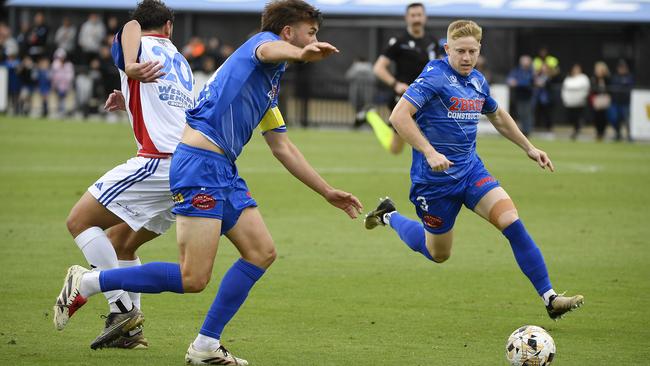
[{"x": 338, "y": 294}]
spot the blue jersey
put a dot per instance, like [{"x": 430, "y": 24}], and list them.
[
  {"x": 237, "y": 96},
  {"x": 449, "y": 106}
]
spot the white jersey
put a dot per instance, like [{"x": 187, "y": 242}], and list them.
[{"x": 157, "y": 110}]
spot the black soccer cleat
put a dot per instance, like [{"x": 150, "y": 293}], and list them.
[
  {"x": 118, "y": 325},
  {"x": 376, "y": 216}
]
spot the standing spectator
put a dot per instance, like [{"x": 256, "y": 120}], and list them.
[
  {"x": 62, "y": 77},
  {"x": 213, "y": 50},
  {"x": 542, "y": 101},
  {"x": 544, "y": 58},
  {"x": 27, "y": 76},
  {"x": 110, "y": 77},
  {"x": 362, "y": 87},
  {"x": 8, "y": 44},
  {"x": 575, "y": 90},
  {"x": 88, "y": 87},
  {"x": 202, "y": 75},
  {"x": 193, "y": 51},
  {"x": 621, "y": 87},
  {"x": 112, "y": 26},
  {"x": 23, "y": 39},
  {"x": 521, "y": 81},
  {"x": 12, "y": 63},
  {"x": 65, "y": 36},
  {"x": 38, "y": 37},
  {"x": 600, "y": 98},
  {"x": 91, "y": 36},
  {"x": 44, "y": 82}
]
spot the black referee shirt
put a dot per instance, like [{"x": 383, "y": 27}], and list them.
[{"x": 410, "y": 55}]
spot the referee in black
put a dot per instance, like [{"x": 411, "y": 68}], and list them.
[{"x": 410, "y": 52}]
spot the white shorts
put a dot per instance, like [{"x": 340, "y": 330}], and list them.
[{"x": 138, "y": 193}]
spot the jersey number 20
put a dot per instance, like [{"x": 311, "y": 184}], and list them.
[{"x": 183, "y": 72}]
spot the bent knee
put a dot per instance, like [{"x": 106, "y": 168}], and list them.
[
  {"x": 193, "y": 283},
  {"x": 503, "y": 213},
  {"x": 263, "y": 257},
  {"x": 440, "y": 257},
  {"x": 75, "y": 225}
]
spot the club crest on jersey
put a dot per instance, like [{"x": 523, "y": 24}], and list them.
[
  {"x": 204, "y": 201},
  {"x": 476, "y": 84}
]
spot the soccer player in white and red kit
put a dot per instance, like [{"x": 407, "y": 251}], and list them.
[{"x": 131, "y": 204}]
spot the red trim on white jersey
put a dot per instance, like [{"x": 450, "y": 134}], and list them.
[
  {"x": 155, "y": 35},
  {"x": 147, "y": 147}
]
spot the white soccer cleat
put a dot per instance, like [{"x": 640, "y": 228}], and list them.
[
  {"x": 219, "y": 357},
  {"x": 69, "y": 300}
]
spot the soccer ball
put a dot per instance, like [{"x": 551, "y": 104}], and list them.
[{"x": 530, "y": 345}]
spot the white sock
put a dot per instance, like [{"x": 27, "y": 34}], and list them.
[
  {"x": 135, "y": 296},
  {"x": 386, "y": 218},
  {"x": 204, "y": 343},
  {"x": 99, "y": 253},
  {"x": 90, "y": 284},
  {"x": 547, "y": 296}
]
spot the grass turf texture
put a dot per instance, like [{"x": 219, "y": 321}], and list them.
[{"x": 338, "y": 294}]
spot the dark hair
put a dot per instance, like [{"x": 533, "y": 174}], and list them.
[
  {"x": 278, "y": 14},
  {"x": 414, "y": 5},
  {"x": 152, "y": 14}
]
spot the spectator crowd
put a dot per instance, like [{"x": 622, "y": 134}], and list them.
[
  {"x": 602, "y": 99},
  {"x": 73, "y": 65}
]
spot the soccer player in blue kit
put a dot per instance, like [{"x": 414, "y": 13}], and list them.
[
  {"x": 447, "y": 100},
  {"x": 211, "y": 198}
]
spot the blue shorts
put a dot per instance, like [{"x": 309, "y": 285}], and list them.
[
  {"x": 438, "y": 205},
  {"x": 206, "y": 184}
]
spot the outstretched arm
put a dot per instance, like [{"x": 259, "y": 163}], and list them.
[
  {"x": 281, "y": 51},
  {"x": 402, "y": 120},
  {"x": 507, "y": 127},
  {"x": 293, "y": 160}
]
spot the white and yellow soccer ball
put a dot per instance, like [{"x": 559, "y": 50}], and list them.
[{"x": 530, "y": 345}]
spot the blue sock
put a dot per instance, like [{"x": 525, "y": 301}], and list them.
[
  {"x": 150, "y": 278},
  {"x": 528, "y": 256},
  {"x": 235, "y": 285},
  {"x": 411, "y": 232}
]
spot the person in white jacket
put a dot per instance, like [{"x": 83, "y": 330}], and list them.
[{"x": 575, "y": 90}]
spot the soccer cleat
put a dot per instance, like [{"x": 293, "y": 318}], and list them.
[
  {"x": 69, "y": 300},
  {"x": 558, "y": 305},
  {"x": 219, "y": 357},
  {"x": 118, "y": 325},
  {"x": 133, "y": 340},
  {"x": 376, "y": 216}
]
